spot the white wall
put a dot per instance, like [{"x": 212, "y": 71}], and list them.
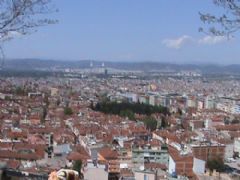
[
  {"x": 237, "y": 145},
  {"x": 171, "y": 166},
  {"x": 228, "y": 151},
  {"x": 198, "y": 166},
  {"x": 140, "y": 176},
  {"x": 95, "y": 174}
]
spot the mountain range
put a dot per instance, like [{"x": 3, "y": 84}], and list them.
[{"x": 38, "y": 64}]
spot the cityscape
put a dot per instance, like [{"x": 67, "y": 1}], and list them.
[
  {"x": 50, "y": 123},
  {"x": 103, "y": 92}
]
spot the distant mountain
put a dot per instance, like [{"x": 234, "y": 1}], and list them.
[
  {"x": 36, "y": 64},
  {"x": 31, "y": 64}
]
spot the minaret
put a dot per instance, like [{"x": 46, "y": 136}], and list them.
[
  {"x": 105, "y": 71},
  {"x": 91, "y": 67}
]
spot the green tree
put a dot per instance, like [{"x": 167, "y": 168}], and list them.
[
  {"x": 46, "y": 100},
  {"x": 20, "y": 91},
  {"x": 45, "y": 110},
  {"x": 127, "y": 113},
  {"x": 215, "y": 164},
  {"x": 77, "y": 166},
  {"x": 68, "y": 111},
  {"x": 150, "y": 123},
  {"x": 163, "y": 122}
]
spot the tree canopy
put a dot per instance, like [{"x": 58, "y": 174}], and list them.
[
  {"x": 68, "y": 111},
  {"x": 215, "y": 164},
  {"x": 77, "y": 166},
  {"x": 127, "y": 109},
  {"x": 150, "y": 123}
]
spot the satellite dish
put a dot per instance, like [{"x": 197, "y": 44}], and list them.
[{"x": 141, "y": 168}]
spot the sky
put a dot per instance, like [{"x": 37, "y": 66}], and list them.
[{"x": 128, "y": 30}]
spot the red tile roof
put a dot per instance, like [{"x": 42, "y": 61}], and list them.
[
  {"x": 74, "y": 156},
  {"x": 108, "y": 153}
]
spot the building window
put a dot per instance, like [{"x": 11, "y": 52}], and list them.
[{"x": 145, "y": 177}]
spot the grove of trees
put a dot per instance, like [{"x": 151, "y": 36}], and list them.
[{"x": 126, "y": 108}]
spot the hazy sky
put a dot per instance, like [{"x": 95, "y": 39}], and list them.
[{"x": 128, "y": 30}]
